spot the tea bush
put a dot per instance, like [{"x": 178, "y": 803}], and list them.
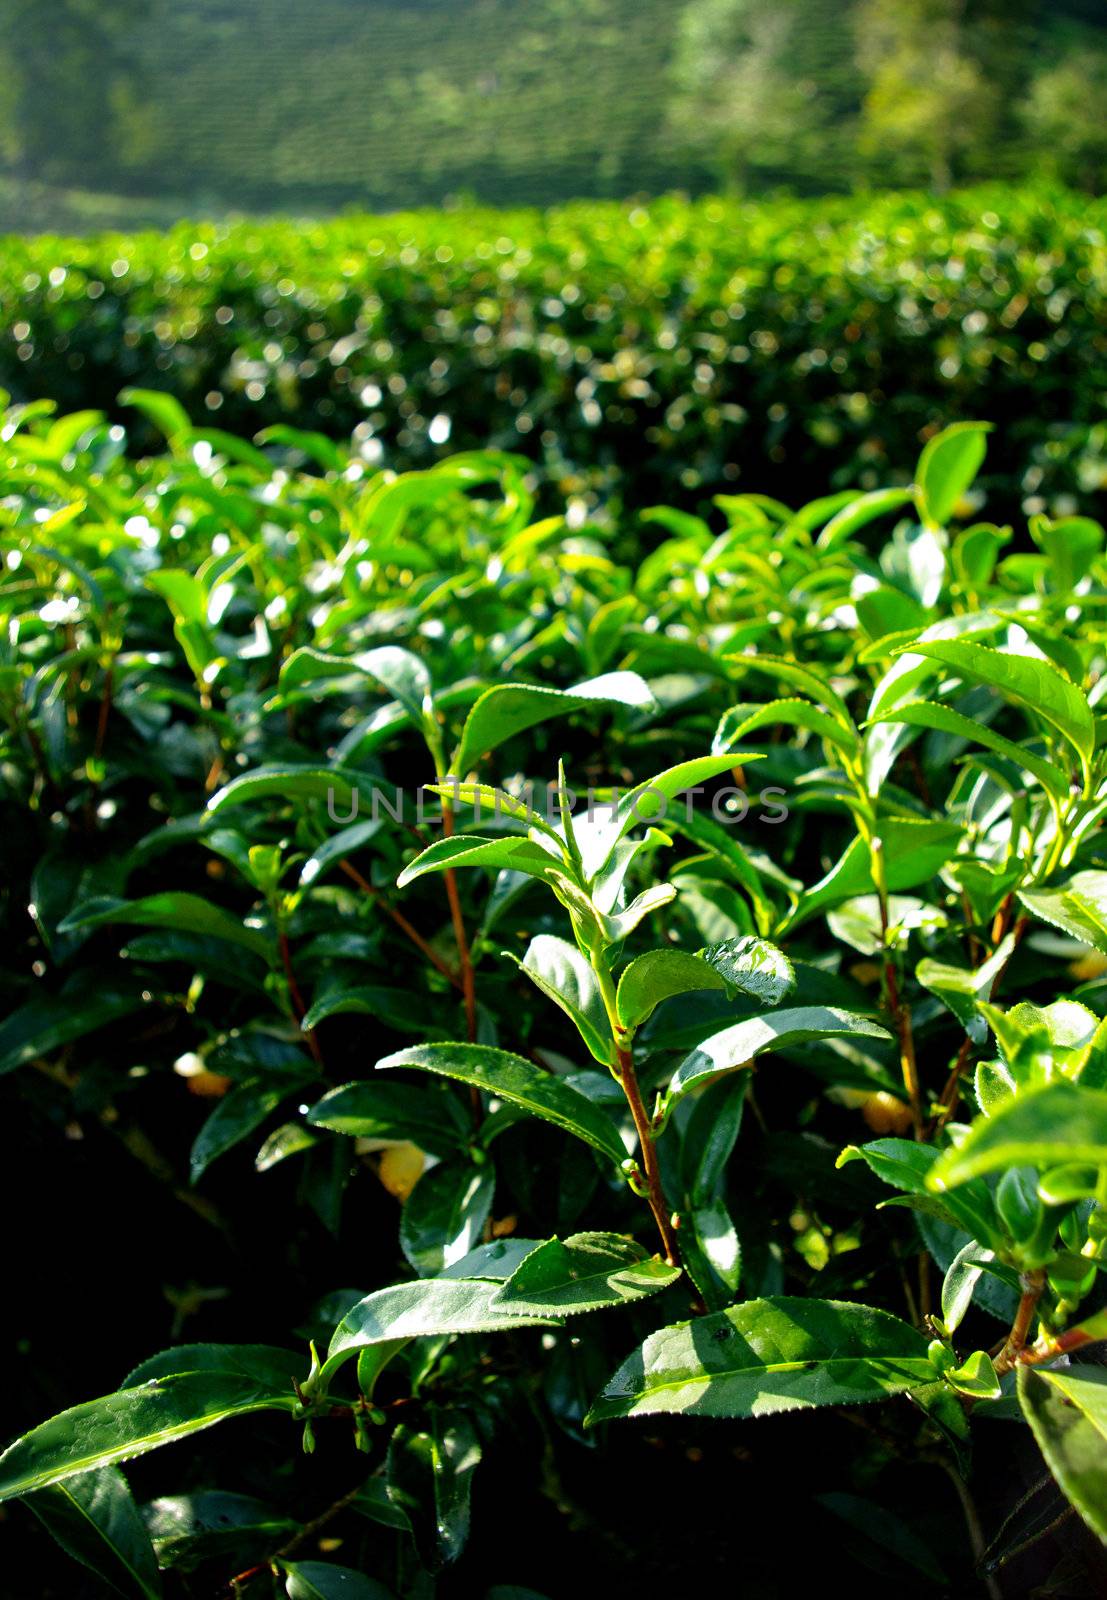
[
  {"x": 765, "y": 1072},
  {"x": 655, "y": 352}
]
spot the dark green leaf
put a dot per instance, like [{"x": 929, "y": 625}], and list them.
[
  {"x": 511, "y": 1078},
  {"x": 131, "y": 1422},
  {"x": 182, "y": 912},
  {"x": 779, "y": 1030},
  {"x": 444, "y": 1215},
  {"x": 95, "y": 1520},
  {"x": 1068, "y": 1414},
  {"x": 426, "y": 1114},
  {"x": 319, "y": 1580},
  {"x": 770, "y": 1355},
  {"x": 1053, "y": 1126},
  {"x": 585, "y": 1272},
  {"x": 430, "y": 1480}
]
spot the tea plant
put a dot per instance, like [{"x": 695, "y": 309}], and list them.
[{"x": 833, "y": 854}]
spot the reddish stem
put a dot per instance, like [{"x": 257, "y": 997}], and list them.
[
  {"x": 297, "y": 998},
  {"x": 644, "y": 1128},
  {"x": 468, "y": 980},
  {"x": 401, "y": 922}
]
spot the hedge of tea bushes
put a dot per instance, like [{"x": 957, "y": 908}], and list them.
[{"x": 646, "y": 352}]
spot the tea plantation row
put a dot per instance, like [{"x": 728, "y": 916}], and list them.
[{"x": 643, "y": 352}]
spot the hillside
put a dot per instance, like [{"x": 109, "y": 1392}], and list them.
[
  {"x": 366, "y": 101},
  {"x": 269, "y": 105}
]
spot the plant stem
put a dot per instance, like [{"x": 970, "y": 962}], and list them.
[
  {"x": 297, "y": 998},
  {"x": 311, "y": 1528},
  {"x": 1032, "y": 1285},
  {"x": 901, "y": 1016},
  {"x": 628, "y": 1081},
  {"x": 1060, "y": 1344},
  {"x": 464, "y": 957},
  {"x": 307, "y": 1532},
  {"x": 972, "y": 1523},
  {"x": 106, "y": 701},
  {"x": 948, "y": 1098},
  {"x": 909, "y": 1066},
  {"x": 401, "y": 922}
]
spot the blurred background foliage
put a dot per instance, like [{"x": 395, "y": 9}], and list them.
[
  {"x": 133, "y": 111},
  {"x": 635, "y": 352}
]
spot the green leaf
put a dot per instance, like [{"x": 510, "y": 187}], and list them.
[
  {"x": 885, "y": 1533},
  {"x": 709, "y": 1137},
  {"x": 184, "y": 913},
  {"x": 1049, "y": 1127},
  {"x": 262, "y": 1363},
  {"x": 1034, "y": 684},
  {"x": 737, "y": 1045},
  {"x": 393, "y": 1008},
  {"x": 511, "y": 1078},
  {"x": 319, "y": 1580},
  {"x": 648, "y": 803},
  {"x": 426, "y": 1114},
  {"x": 741, "y": 720},
  {"x": 861, "y": 510},
  {"x": 187, "y": 1529},
  {"x": 717, "y": 1240},
  {"x": 584, "y": 1272},
  {"x": 960, "y": 988},
  {"x": 1070, "y": 545},
  {"x": 960, "y": 1281},
  {"x": 242, "y": 1109},
  {"x": 1078, "y": 907},
  {"x": 512, "y": 854},
  {"x": 299, "y": 781},
  {"x": 976, "y": 1377},
  {"x": 498, "y": 1259},
  {"x": 95, "y": 1520},
  {"x": 914, "y": 851},
  {"x": 657, "y": 976},
  {"x": 811, "y": 681},
  {"x": 907, "y": 1165},
  {"x": 489, "y": 801},
  {"x": 1067, "y": 1412},
  {"x": 316, "y": 446},
  {"x": 923, "y": 714},
  {"x": 564, "y": 975},
  {"x": 372, "y": 1501},
  {"x": 430, "y": 1480},
  {"x": 753, "y": 967},
  {"x": 765, "y": 1356},
  {"x": 80, "y": 1006},
  {"x": 885, "y": 611},
  {"x": 947, "y": 467},
  {"x": 431, "y": 1307},
  {"x": 131, "y": 1422},
  {"x": 163, "y": 410},
  {"x": 183, "y": 593},
  {"x": 444, "y": 1215},
  {"x": 508, "y": 709},
  {"x": 401, "y": 674}
]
